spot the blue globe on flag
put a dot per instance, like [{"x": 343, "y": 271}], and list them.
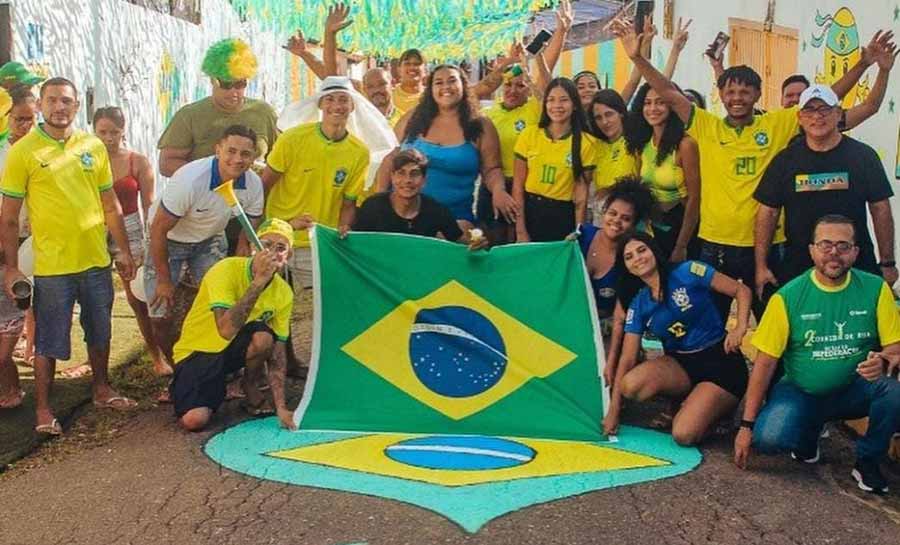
[{"x": 456, "y": 351}]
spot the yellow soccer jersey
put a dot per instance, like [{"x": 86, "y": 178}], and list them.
[
  {"x": 732, "y": 162},
  {"x": 318, "y": 174},
  {"x": 613, "y": 162},
  {"x": 550, "y": 162},
  {"x": 222, "y": 287},
  {"x": 404, "y": 101},
  {"x": 62, "y": 183},
  {"x": 510, "y": 124}
]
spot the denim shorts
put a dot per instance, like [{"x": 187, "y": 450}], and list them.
[
  {"x": 197, "y": 257},
  {"x": 54, "y": 301}
]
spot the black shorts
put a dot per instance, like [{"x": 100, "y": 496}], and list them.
[
  {"x": 727, "y": 371},
  {"x": 199, "y": 379},
  {"x": 485, "y": 208},
  {"x": 548, "y": 220}
]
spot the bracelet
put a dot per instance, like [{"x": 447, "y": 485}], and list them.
[
  {"x": 747, "y": 424},
  {"x": 887, "y": 264}
]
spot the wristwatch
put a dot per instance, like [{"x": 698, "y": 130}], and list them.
[
  {"x": 887, "y": 264},
  {"x": 748, "y": 424}
]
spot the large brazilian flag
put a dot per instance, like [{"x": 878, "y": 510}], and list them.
[{"x": 419, "y": 335}]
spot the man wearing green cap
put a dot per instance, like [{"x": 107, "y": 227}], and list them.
[
  {"x": 239, "y": 318},
  {"x": 196, "y": 128}
]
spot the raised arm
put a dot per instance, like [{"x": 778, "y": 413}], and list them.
[
  {"x": 296, "y": 45},
  {"x": 885, "y": 58},
  {"x": 678, "y": 42},
  {"x": 564, "y": 17},
  {"x": 485, "y": 87},
  {"x": 634, "y": 80},
  {"x": 844, "y": 85},
  {"x": 336, "y": 21},
  {"x": 660, "y": 83}
]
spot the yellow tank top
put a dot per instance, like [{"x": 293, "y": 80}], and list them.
[{"x": 666, "y": 181}]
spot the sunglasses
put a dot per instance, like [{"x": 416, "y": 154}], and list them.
[{"x": 237, "y": 84}]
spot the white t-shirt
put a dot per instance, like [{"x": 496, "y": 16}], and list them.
[{"x": 201, "y": 212}]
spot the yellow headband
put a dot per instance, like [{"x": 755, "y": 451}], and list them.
[{"x": 277, "y": 227}]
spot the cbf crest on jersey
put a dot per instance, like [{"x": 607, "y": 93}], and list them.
[{"x": 340, "y": 176}]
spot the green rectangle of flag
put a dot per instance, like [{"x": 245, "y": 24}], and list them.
[{"x": 421, "y": 335}]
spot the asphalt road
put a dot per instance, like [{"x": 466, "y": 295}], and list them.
[{"x": 152, "y": 484}]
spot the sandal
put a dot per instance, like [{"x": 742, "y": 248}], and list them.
[
  {"x": 53, "y": 428},
  {"x": 119, "y": 403},
  {"x": 78, "y": 371},
  {"x": 14, "y": 402}
]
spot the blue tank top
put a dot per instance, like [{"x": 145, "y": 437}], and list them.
[
  {"x": 686, "y": 320},
  {"x": 605, "y": 286},
  {"x": 452, "y": 171}
]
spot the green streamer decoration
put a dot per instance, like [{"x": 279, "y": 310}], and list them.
[{"x": 444, "y": 30}]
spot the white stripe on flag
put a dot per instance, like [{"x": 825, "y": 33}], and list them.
[{"x": 463, "y": 450}]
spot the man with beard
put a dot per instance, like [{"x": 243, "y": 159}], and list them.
[
  {"x": 63, "y": 176},
  {"x": 837, "y": 331},
  {"x": 734, "y": 154}
]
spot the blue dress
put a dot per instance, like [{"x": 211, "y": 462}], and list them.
[
  {"x": 605, "y": 286},
  {"x": 686, "y": 320},
  {"x": 451, "y": 175}
]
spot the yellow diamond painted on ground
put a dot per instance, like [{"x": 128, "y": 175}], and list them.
[
  {"x": 374, "y": 454},
  {"x": 385, "y": 349}
]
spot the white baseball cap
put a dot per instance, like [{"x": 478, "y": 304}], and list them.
[{"x": 821, "y": 92}]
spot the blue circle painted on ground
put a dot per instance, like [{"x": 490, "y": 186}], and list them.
[
  {"x": 456, "y": 351},
  {"x": 460, "y": 453}
]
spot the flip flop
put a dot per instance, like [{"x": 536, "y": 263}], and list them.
[
  {"x": 79, "y": 371},
  {"x": 53, "y": 428},
  {"x": 16, "y": 403},
  {"x": 258, "y": 411},
  {"x": 119, "y": 403}
]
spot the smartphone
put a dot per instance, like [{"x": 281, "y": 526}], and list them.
[
  {"x": 717, "y": 48},
  {"x": 538, "y": 41},
  {"x": 643, "y": 10}
]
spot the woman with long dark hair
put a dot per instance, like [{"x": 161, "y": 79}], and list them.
[
  {"x": 459, "y": 144},
  {"x": 629, "y": 203},
  {"x": 702, "y": 364},
  {"x": 670, "y": 164},
  {"x": 554, "y": 163},
  {"x": 607, "y": 122},
  {"x": 135, "y": 188}
]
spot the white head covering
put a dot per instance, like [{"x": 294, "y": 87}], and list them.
[{"x": 365, "y": 122}]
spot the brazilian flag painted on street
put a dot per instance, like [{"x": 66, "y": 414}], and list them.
[{"x": 419, "y": 335}]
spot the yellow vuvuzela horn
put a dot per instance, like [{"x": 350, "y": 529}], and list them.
[{"x": 226, "y": 191}]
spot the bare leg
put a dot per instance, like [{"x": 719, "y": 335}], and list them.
[
  {"x": 705, "y": 405},
  {"x": 196, "y": 419},
  {"x": 44, "y": 368},
  {"x": 10, "y": 389},
  {"x": 103, "y": 393},
  {"x": 662, "y": 375},
  {"x": 259, "y": 351},
  {"x": 160, "y": 366},
  {"x": 29, "y": 336},
  {"x": 162, "y": 331}
]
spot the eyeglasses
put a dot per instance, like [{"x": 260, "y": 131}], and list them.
[
  {"x": 277, "y": 247},
  {"x": 237, "y": 84},
  {"x": 817, "y": 110},
  {"x": 826, "y": 246}
]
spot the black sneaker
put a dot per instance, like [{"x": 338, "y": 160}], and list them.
[
  {"x": 868, "y": 477},
  {"x": 807, "y": 457}
]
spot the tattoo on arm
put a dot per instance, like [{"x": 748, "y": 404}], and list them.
[
  {"x": 277, "y": 371},
  {"x": 237, "y": 315}
]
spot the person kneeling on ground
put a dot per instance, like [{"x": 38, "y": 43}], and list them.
[
  {"x": 405, "y": 210},
  {"x": 677, "y": 306},
  {"x": 239, "y": 318},
  {"x": 826, "y": 326}
]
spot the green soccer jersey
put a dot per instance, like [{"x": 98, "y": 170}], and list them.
[{"x": 822, "y": 333}]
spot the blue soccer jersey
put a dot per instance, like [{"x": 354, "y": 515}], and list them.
[{"x": 686, "y": 320}]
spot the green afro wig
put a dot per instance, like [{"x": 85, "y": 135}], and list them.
[{"x": 229, "y": 60}]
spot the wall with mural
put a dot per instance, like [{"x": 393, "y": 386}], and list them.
[{"x": 147, "y": 62}]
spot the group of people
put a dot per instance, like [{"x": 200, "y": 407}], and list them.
[{"x": 678, "y": 214}]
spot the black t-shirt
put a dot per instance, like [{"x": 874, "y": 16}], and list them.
[
  {"x": 377, "y": 214},
  {"x": 809, "y": 184}
]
